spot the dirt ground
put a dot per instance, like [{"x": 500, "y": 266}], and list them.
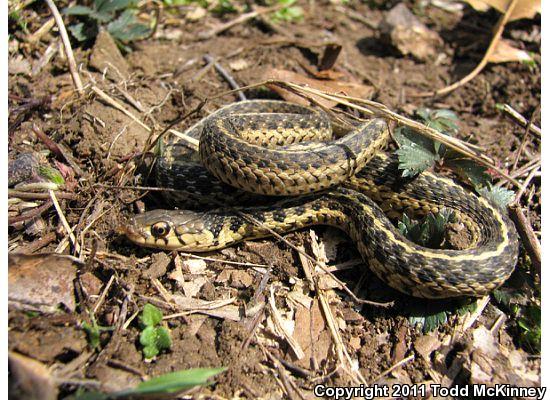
[{"x": 218, "y": 305}]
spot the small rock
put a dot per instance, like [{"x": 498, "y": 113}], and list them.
[
  {"x": 91, "y": 284},
  {"x": 409, "y": 35},
  {"x": 159, "y": 266},
  {"x": 240, "y": 279},
  {"x": 22, "y": 169}
]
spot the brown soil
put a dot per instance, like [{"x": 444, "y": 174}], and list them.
[{"x": 166, "y": 76}]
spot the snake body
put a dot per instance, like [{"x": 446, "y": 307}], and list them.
[{"x": 359, "y": 186}]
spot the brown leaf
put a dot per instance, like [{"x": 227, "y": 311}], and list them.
[
  {"x": 338, "y": 87},
  {"x": 505, "y": 52},
  {"x": 524, "y": 8}
]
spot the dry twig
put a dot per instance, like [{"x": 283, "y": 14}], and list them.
[
  {"x": 67, "y": 45},
  {"x": 494, "y": 41},
  {"x": 520, "y": 119}
]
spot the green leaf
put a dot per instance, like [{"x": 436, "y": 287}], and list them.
[
  {"x": 415, "y": 152},
  {"x": 224, "y": 7},
  {"x": 470, "y": 171},
  {"x": 177, "y": 381},
  {"x": 163, "y": 338},
  {"x": 126, "y": 28},
  {"x": 429, "y": 322},
  {"x": 502, "y": 297},
  {"x": 82, "y": 395},
  {"x": 77, "y": 10},
  {"x": 499, "y": 196},
  {"x": 414, "y": 159},
  {"x": 150, "y": 351},
  {"x": 92, "y": 333},
  {"x": 148, "y": 336},
  {"x": 151, "y": 315},
  {"x": 51, "y": 174},
  {"x": 83, "y": 32},
  {"x": 154, "y": 339},
  {"x": 430, "y": 232},
  {"x": 172, "y": 382},
  {"x": 101, "y": 16},
  {"x": 290, "y": 13},
  {"x": 470, "y": 306},
  {"x": 110, "y": 6},
  {"x": 443, "y": 121}
]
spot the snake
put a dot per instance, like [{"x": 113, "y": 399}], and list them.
[{"x": 255, "y": 150}]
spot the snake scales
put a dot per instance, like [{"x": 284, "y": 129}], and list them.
[{"x": 266, "y": 147}]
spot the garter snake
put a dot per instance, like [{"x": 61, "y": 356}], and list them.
[{"x": 250, "y": 145}]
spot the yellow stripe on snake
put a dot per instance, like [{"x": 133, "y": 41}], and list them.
[{"x": 265, "y": 147}]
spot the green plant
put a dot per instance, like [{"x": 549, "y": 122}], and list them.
[
  {"x": 51, "y": 174},
  {"x": 430, "y": 231},
  {"x": 116, "y": 16},
  {"x": 527, "y": 315},
  {"x": 417, "y": 153},
  {"x": 429, "y": 315},
  {"x": 530, "y": 328},
  {"x": 170, "y": 383},
  {"x": 93, "y": 332},
  {"x": 18, "y": 19},
  {"x": 289, "y": 13},
  {"x": 153, "y": 337}
]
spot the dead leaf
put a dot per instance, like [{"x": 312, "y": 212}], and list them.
[
  {"x": 311, "y": 333},
  {"x": 31, "y": 378},
  {"x": 194, "y": 266},
  {"x": 41, "y": 282},
  {"x": 239, "y": 65},
  {"x": 505, "y": 52},
  {"x": 196, "y": 14},
  {"x": 524, "y": 8},
  {"x": 18, "y": 65},
  {"x": 223, "y": 308},
  {"x": 337, "y": 87}
]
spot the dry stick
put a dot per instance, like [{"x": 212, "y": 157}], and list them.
[
  {"x": 340, "y": 348},
  {"x": 38, "y": 244},
  {"x": 239, "y": 20},
  {"x": 221, "y": 70},
  {"x": 67, "y": 45},
  {"x": 524, "y": 138},
  {"x": 35, "y": 212},
  {"x": 520, "y": 119},
  {"x": 526, "y": 183},
  {"x": 45, "y": 28},
  {"x": 40, "y": 196},
  {"x": 64, "y": 222},
  {"x": 496, "y": 37},
  {"x": 285, "y": 379},
  {"x": 528, "y": 237}
]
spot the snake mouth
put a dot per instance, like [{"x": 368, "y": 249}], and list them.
[{"x": 134, "y": 232}]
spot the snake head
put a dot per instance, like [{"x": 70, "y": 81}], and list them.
[{"x": 169, "y": 230}]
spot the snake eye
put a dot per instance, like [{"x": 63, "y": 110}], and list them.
[{"x": 160, "y": 229}]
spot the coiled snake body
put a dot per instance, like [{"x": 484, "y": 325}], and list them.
[{"x": 251, "y": 147}]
